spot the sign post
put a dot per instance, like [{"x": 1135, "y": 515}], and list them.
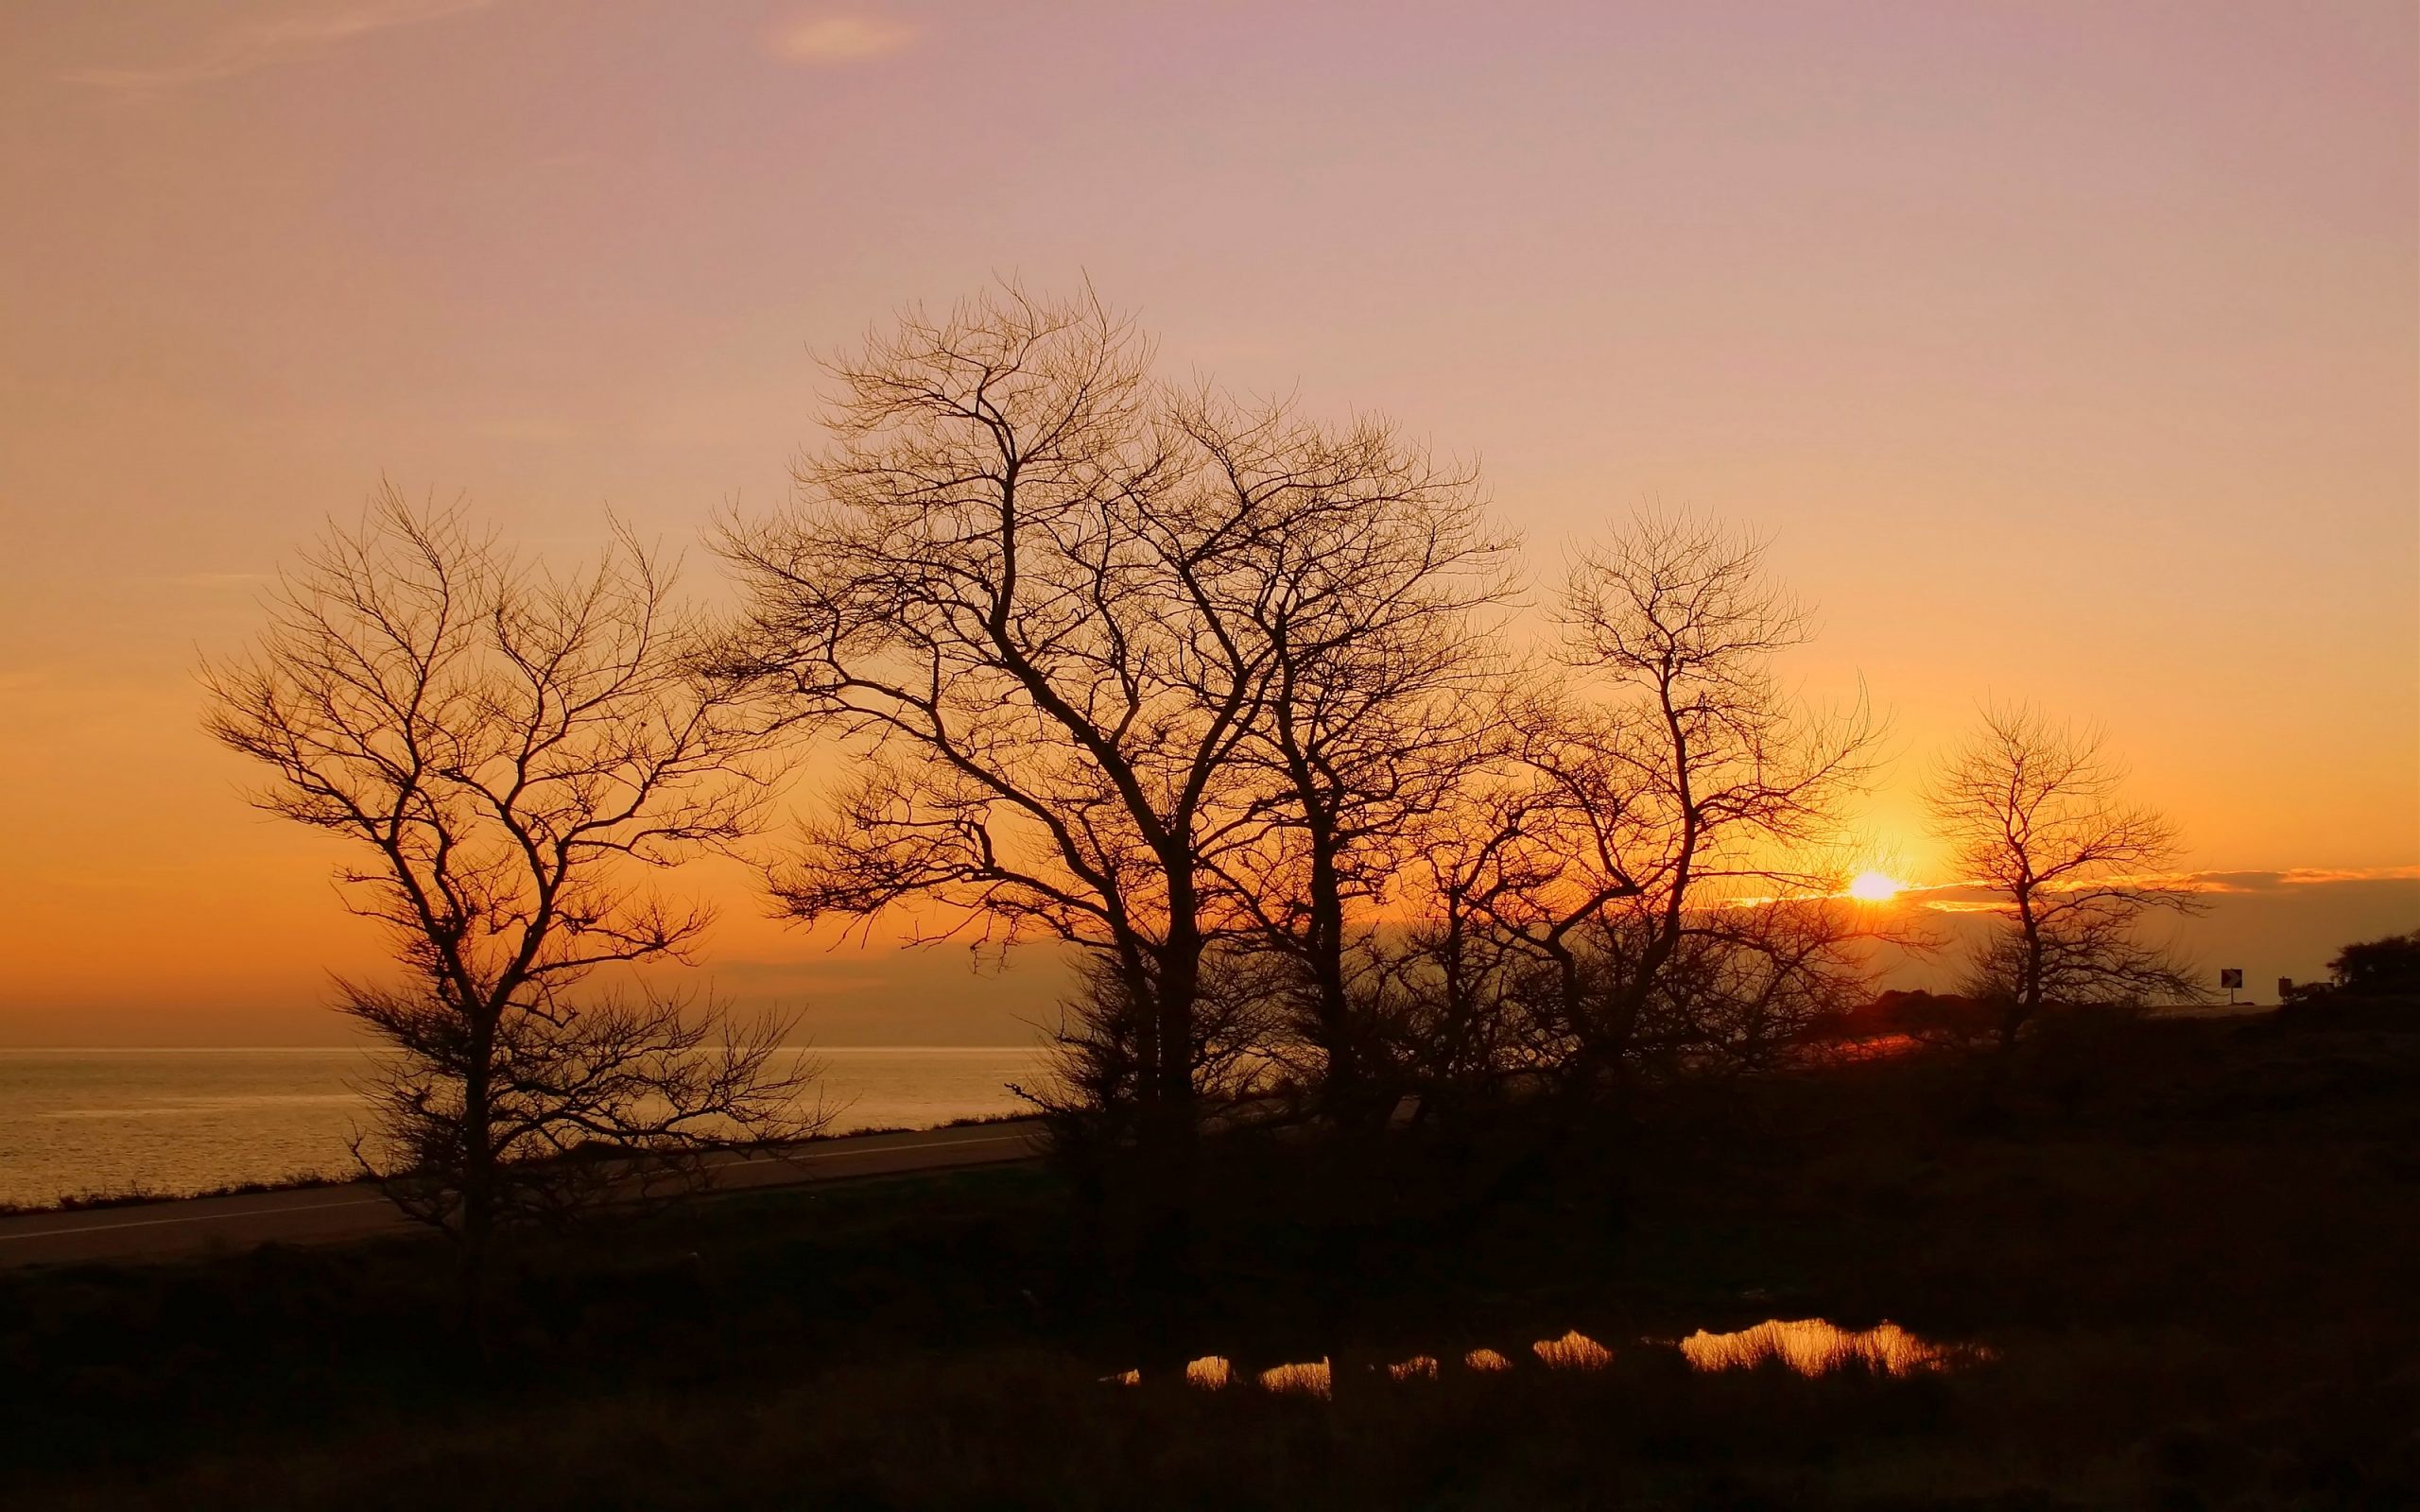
[{"x": 2230, "y": 977}]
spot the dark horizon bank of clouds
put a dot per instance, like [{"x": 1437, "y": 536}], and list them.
[{"x": 2269, "y": 923}]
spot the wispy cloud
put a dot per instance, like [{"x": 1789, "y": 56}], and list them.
[
  {"x": 2312, "y": 876},
  {"x": 840, "y": 39},
  {"x": 266, "y": 41},
  {"x": 1960, "y": 897}
]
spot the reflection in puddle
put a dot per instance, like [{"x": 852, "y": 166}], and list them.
[
  {"x": 1310, "y": 1379},
  {"x": 1809, "y": 1347},
  {"x": 1575, "y": 1351}
]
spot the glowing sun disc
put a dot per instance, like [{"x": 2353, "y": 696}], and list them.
[{"x": 1874, "y": 887}]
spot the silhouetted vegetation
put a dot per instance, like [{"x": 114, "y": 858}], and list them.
[
  {"x": 2181, "y": 1245},
  {"x": 2031, "y": 810},
  {"x": 1217, "y": 694},
  {"x": 2385, "y": 968},
  {"x": 2372, "y": 983},
  {"x": 1444, "y": 997},
  {"x": 508, "y": 746}
]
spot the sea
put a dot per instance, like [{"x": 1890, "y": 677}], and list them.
[{"x": 94, "y": 1123}]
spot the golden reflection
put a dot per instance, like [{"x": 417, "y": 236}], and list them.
[
  {"x": 1813, "y": 1346},
  {"x": 1310, "y": 1379},
  {"x": 1575, "y": 1351},
  {"x": 1808, "y": 1346}
]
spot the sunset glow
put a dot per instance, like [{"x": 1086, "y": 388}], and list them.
[
  {"x": 581, "y": 283},
  {"x": 1875, "y": 887},
  {"x": 748, "y": 734}
]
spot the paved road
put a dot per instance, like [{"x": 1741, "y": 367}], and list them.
[{"x": 157, "y": 1230}]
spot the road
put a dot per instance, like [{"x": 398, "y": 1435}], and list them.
[{"x": 194, "y": 1226}]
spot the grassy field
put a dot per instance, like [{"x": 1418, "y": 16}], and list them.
[{"x": 2181, "y": 1255}]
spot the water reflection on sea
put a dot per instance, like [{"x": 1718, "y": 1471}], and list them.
[
  {"x": 79, "y": 1122},
  {"x": 1806, "y": 1347}
]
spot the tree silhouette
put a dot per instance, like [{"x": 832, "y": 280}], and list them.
[
  {"x": 989, "y": 586},
  {"x": 2382, "y": 968},
  {"x": 2032, "y": 811},
  {"x": 510, "y": 749},
  {"x": 1362, "y": 581},
  {"x": 1731, "y": 936},
  {"x": 1640, "y": 877}
]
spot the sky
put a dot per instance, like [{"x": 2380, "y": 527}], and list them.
[{"x": 2068, "y": 352}]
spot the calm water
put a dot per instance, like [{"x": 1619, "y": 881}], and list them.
[{"x": 88, "y": 1121}]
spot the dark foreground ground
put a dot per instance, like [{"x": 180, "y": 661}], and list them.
[{"x": 2184, "y": 1255}]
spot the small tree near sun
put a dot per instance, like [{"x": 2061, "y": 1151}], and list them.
[
  {"x": 1731, "y": 939},
  {"x": 508, "y": 751},
  {"x": 2032, "y": 811}
]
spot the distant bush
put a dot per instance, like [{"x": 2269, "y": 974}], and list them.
[
  {"x": 1935, "y": 1016},
  {"x": 2372, "y": 984},
  {"x": 2384, "y": 968}
]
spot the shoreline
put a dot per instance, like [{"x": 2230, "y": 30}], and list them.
[{"x": 111, "y": 1202}]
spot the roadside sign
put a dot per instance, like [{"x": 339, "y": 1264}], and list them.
[{"x": 2231, "y": 976}]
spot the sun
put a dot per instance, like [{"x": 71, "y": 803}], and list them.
[{"x": 1874, "y": 887}]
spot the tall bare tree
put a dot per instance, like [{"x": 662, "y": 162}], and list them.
[
  {"x": 2031, "y": 809},
  {"x": 990, "y": 583},
  {"x": 1360, "y": 578},
  {"x": 509, "y": 750}
]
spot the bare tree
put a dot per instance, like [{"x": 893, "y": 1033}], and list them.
[
  {"x": 2032, "y": 811},
  {"x": 510, "y": 749},
  {"x": 1517, "y": 876},
  {"x": 1359, "y": 579},
  {"x": 1730, "y": 792},
  {"x": 989, "y": 586}
]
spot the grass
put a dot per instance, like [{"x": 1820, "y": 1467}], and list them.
[
  {"x": 305, "y": 1180},
  {"x": 2180, "y": 1252},
  {"x": 135, "y": 1197}
]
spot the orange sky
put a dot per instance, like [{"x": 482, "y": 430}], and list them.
[{"x": 2068, "y": 351}]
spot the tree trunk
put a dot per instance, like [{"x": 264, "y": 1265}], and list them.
[
  {"x": 1342, "y": 1085},
  {"x": 477, "y": 1181},
  {"x": 2028, "y": 997},
  {"x": 1167, "y": 1137}
]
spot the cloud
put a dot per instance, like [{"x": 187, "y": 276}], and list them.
[
  {"x": 2314, "y": 876},
  {"x": 1960, "y": 897},
  {"x": 2294, "y": 878},
  {"x": 264, "y": 43},
  {"x": 840, "y": 39}
]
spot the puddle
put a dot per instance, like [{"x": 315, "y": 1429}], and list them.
[
  {"x": 1575, "y": 1351},
  {"x": 1809, "y": 1347},
  {"x": 1814, "y": 1347},
  {"x": 1310, "y": 1379}
]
